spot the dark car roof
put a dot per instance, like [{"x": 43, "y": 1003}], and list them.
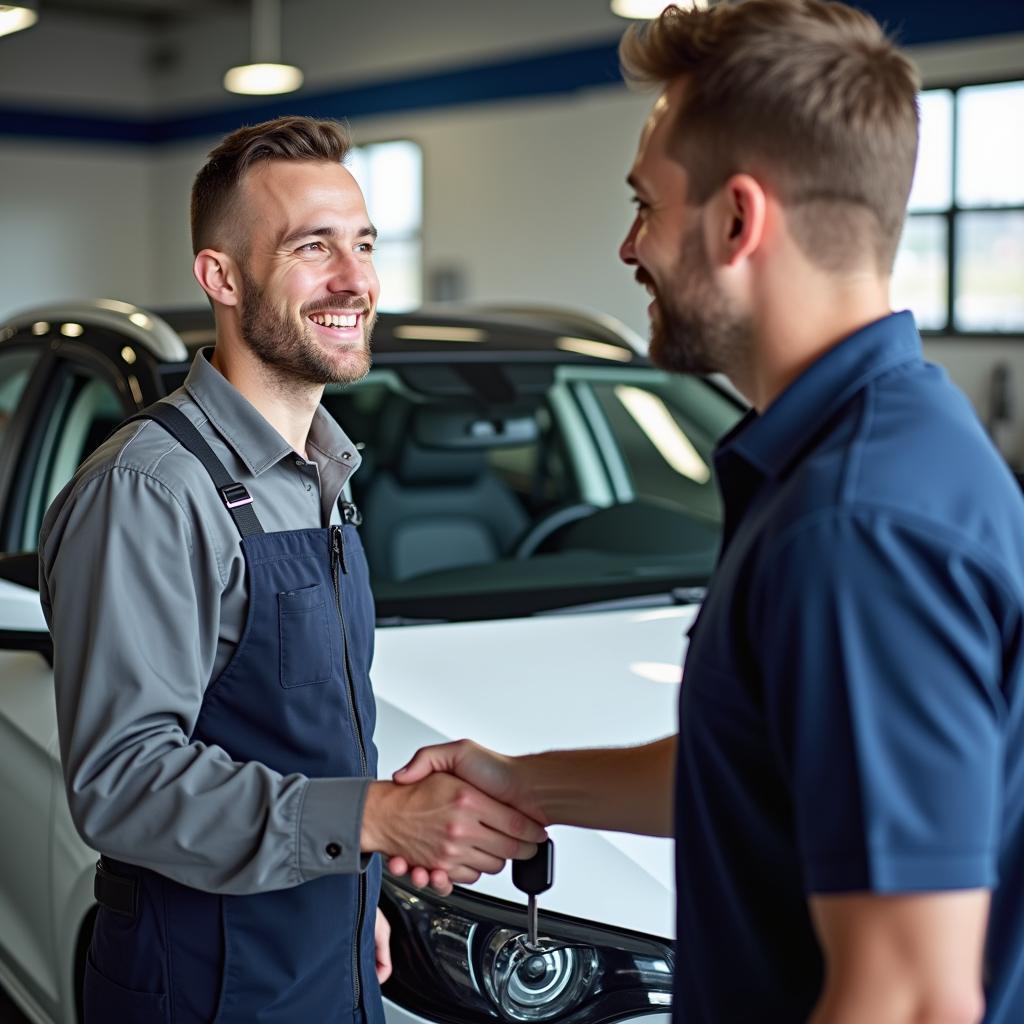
[{"x": 455, "y": 333}]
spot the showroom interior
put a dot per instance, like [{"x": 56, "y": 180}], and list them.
[{"x": 492, "y": 141}]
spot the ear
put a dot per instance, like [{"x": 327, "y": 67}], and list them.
[
  {"x": 218, "y": 276},
  {"x": 739, "y": 213}
]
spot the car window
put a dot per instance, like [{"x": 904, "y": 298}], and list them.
[
  {"x": 581, "y": 484},
  {"x": 666, "y": 429},
  {"x": 86, "y": 411},
  {"x": 15, "y": 370}
]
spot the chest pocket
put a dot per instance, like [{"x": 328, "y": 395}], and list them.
[{"x": 304, "y": 636}]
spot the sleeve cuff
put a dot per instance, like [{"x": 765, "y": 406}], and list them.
[
  {"x": 329, "y": 828},
  {"x": 902, "y": 874}
]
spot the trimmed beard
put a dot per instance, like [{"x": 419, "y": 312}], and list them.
[
  {"x": 693, "y": 328},
  {"x": 289, "y": 351}
]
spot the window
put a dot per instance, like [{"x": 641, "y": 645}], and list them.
[
  {"x": 960, "y": 265},
  {"x": 86, "y": 412},
  {"x": 391, "y": 177},
  {"x": 15, "y": 370}
]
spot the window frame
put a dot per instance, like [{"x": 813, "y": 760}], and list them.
[{"x": 952, "y": 213}]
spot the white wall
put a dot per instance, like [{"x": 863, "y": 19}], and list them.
[
  {"x": 527, "y": 198},
  {"x": 77, "y": 64},
  {"x": 75, "y": 222}
]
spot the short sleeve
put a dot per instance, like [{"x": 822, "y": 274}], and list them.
[{"x": 881, "y": 658}]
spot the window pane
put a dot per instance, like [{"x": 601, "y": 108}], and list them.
[
  {"x": 15, "y": 368},
  {"x": 933, "y": 176},
  {"x": 398, "y": 267},
  {"x": 990, "y": 145},
  {"x": 396, "y": 177},
  {"x": 921, "y": 276},
  {"x": 667, "y": 448},
  {"x": 990, "y": 272},
  {"x": 358, "y": 163}
]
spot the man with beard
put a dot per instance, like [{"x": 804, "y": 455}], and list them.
[
  {"x": 847, "y": 785},
  {"x": 213, "y": 629}
]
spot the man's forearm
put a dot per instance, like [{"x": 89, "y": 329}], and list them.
[{"x": 627, "y": 789}]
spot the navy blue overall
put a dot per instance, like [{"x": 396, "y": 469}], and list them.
[{"x": 296, "y": 697}]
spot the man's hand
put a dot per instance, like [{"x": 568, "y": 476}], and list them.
[
  {"x": 497, "y": 775},
  {"x": 382, "y": 940},
  {"x": 447, "y": 823},
  {"x": 625, "y": 789},
  {"x": 490, "y": 772}
]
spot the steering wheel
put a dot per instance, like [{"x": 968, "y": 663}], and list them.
[{"x": 549, "y": 524}]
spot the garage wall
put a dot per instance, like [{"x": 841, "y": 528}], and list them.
[
  {"x": 525, "y": 200},
  {"x": 75, "y": 222}
]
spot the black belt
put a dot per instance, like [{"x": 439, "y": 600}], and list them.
[{"x": 115, "y": 892}]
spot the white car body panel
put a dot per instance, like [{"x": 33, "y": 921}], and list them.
[
  {"x": 517, "y": 685},
  {"x": 525, "y": 685}
]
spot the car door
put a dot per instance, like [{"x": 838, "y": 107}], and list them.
[
  {"x": 25, "y": 727},
  {"x": 75, "y": 400}
]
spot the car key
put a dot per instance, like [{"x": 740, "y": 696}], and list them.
[{"x": 533, "y": 877}]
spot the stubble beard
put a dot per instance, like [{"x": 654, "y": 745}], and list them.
[
  {"x": 694, "y": 329},
  {"x": 290, "y": 352}
]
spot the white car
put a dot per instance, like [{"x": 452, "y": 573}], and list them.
[{"x": 539, "y": 517}]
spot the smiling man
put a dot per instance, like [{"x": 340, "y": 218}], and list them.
[
  {"x": 847, "y": 785},
  {"x": 213, "y": 631}
]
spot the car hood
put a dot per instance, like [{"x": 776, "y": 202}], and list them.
[{"x": 597, "y": 679}]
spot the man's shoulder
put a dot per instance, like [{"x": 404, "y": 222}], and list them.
[
  {"x": 910, "y": 456},
  {"x": 144, "y": 448}
]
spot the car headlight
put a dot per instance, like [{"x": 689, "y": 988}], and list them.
[{"x": 463, "y": 958}]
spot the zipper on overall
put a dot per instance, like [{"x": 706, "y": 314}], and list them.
[{"x": 339, "y": 566}]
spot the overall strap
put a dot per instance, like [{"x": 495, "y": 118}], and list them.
[{"x": 235, "y": 497}]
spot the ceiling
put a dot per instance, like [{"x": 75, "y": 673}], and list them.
[{"x": 141, "y": 12}]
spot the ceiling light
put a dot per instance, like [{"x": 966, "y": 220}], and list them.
[
  {"x": 71, "y": 330},
  {"x": 265, "y": 76},
  {"x": 13, "y": 18},
  {"x": 652, "y": 8}
]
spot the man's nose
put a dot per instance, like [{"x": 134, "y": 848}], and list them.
[
  {"x": 627, "y": 251},
  {"x": 350, "y": 273}
]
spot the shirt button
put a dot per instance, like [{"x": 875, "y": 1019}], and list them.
[
  {"x": 346, "y": 455},
  {"x": 309, "y": 487},
  {"x": 333, "y": 850},
  {"x": 299, "y": 463}
]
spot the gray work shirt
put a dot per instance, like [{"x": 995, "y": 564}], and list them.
[{"x": 143, "y": 585}]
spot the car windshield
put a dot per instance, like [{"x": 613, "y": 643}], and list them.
[{"x": 491, "y": 490}]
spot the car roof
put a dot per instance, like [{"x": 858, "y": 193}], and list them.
[
  {"x": 443, "y": 333},
  {"x": 486, "y": 332}
]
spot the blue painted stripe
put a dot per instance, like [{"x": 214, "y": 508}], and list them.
[
  {"x": 550, "y": 74},
  {"x": 542, "y": 75}
]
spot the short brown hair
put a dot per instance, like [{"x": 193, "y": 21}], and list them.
[
  {"x": 285, "y": 138},
  {"x": 809, "y": 96}
]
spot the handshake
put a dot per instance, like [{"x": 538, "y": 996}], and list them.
[{"x": 454, "y": 812}]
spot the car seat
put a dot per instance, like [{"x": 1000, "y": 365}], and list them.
[{"x": 433, "y": 502}]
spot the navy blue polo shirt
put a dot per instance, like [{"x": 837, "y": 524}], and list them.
[{"x": 851, "y": 714}]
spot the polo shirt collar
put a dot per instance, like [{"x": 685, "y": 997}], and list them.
[
  {"x": 253, "y": 439},
  {"x": 772, "y": 440}
]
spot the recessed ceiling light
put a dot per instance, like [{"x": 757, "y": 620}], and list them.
[{"x": 15, "y": 17}]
